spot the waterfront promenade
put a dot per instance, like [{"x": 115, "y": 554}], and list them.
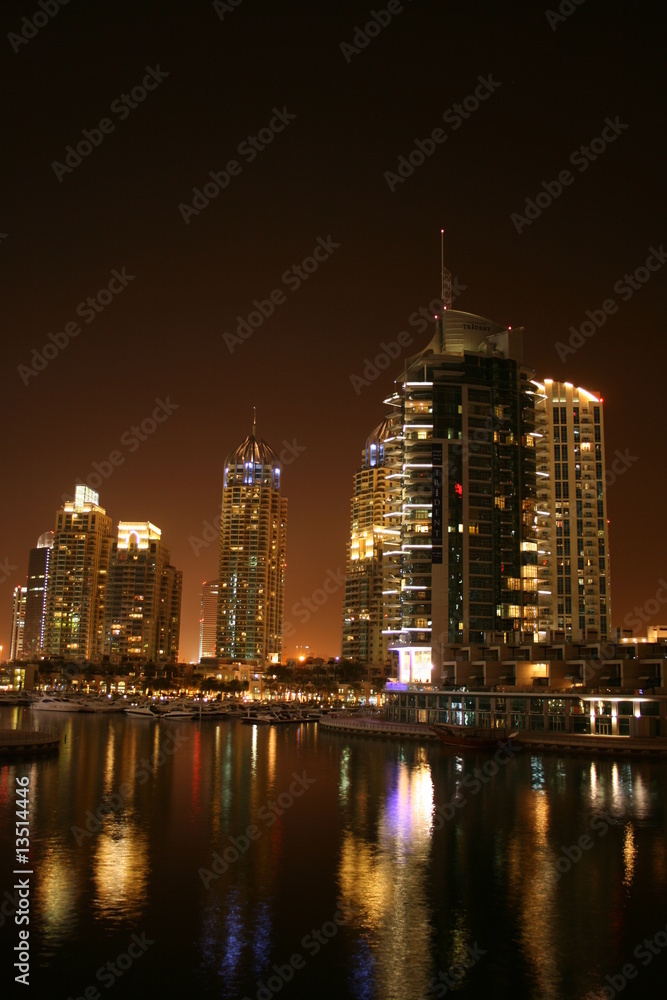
[
  {"x": 380, "y": 728},
  {"x": 22, "y": 742},
  {"x": 560, "y": 742}
]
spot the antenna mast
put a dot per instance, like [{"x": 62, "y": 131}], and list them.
[
  {"x": 254, "y": 421},
  {"x": 446, "y": 275}
]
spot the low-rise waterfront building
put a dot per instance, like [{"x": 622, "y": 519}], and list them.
[
  {"x": 639, "y": 715},
  {"x": 596, "y": 688},
  {"x": 558, "y": 664}
]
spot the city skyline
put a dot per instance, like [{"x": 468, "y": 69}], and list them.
[
  {"x": 346, "y": 320},
  {"x": 450, "y": 336},
  {"x": 143, "y": 338},
  {"x": 630, "y": 619},
  {"x": 97, "y": 591}
]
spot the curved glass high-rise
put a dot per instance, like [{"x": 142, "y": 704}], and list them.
[
  {"x": 468, "y": 549},
  {"x": 372, "y": 549},
  {"x": 252, "y": 555}
]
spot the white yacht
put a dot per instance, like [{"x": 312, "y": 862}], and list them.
[
  {"x": 179, "y": 712},
  {"x": 102, "y": 705},
  {"x": 54, "y": 703},
  {"x": 143, "y": 711}
]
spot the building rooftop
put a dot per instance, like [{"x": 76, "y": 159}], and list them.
[{"x": 253, "y": 450}]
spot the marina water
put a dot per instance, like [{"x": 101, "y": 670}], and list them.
[{"x": 212, "y": 859}]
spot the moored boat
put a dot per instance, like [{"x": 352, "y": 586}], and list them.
[
  {"x": 179, "y": 713},
  {"x": 15, "y": 698},
  {"x": 142, "y": 711},
  {"x": 470, "y": 737},
  {"x": 52, "y": 703},
  {"x": 102, "y": 705}
]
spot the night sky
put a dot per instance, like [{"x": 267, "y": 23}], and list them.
[{"x": 341, "y": 119}]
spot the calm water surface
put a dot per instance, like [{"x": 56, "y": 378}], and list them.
[{"x": 342, "y": 855}]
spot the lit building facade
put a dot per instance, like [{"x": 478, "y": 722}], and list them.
[
  {"x": 364, "y": 639},
  {"x": 18, "y": 623},
  {"x": 142, "y": 606},
  {"x": 169, "y": 619},
  {"x": 77, "y": 577},
  {"x": 35, "y": 608},
  {"x": 208, "y": 619},
  {"x": 466, "y": 475},
  {"x": 573, "y": 556},
  {"x": 252, "y": 555}
]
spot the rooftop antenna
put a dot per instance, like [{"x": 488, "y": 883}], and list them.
[
  {"x": 446, "y": 275},
  {"x": 254, "y": 421}
]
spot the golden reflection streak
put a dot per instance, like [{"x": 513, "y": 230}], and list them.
[
  {"x": 532, "y": 879},
  {"x": 109, "y": 760},
  {"x": 383, "y": 889},
  {"x": 542, "y": 817},
  {"x": 128, "y": 757},
  {"x": 629, "y": 854},
  {"x": 594, "y": 793},
  {"x": 344, "y": 780},
  {"x": 57, "y": 891},
  {"x": 253, "y": 752},
  {"x": 120, "y": 871},
  {"x": 618, "y": 803},
  {"x": 641, "y": 798},
  {"x": 271, "y": 761}
]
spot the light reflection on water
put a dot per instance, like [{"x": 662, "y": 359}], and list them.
[
  {"x": 417, "y": 891},
  {"x": 535, "y": 897},
  {"x": 121, "y": 869},
  {"x": 57, "y": 896},
  {"x": 383, "y": 884},
  {"x": 629, "y": 855},
  {"x": 271, "y": 757}
]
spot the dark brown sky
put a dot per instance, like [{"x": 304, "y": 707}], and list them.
[{"x": 552, "y": 86}]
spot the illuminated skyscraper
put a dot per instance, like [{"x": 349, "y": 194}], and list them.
[
  {"x": 142, "y": 608},
  {"x": 77, "y": 577},
  {"x": 466, "y": 474},
  {"x": 35, "y": 607},
  {"x": 208, "y": 619},
  {"x": 573, "y": 553},
  {"x": 371, "y": 538},
  {"x": 252, "y": 555},
  {"x": 18, "y": 623}
]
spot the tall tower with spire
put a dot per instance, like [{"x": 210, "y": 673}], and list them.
[
  {"x": 468, "y": 564},
  {"x": 460, "y": 550},
  {"x": 252, "y": 554}
]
